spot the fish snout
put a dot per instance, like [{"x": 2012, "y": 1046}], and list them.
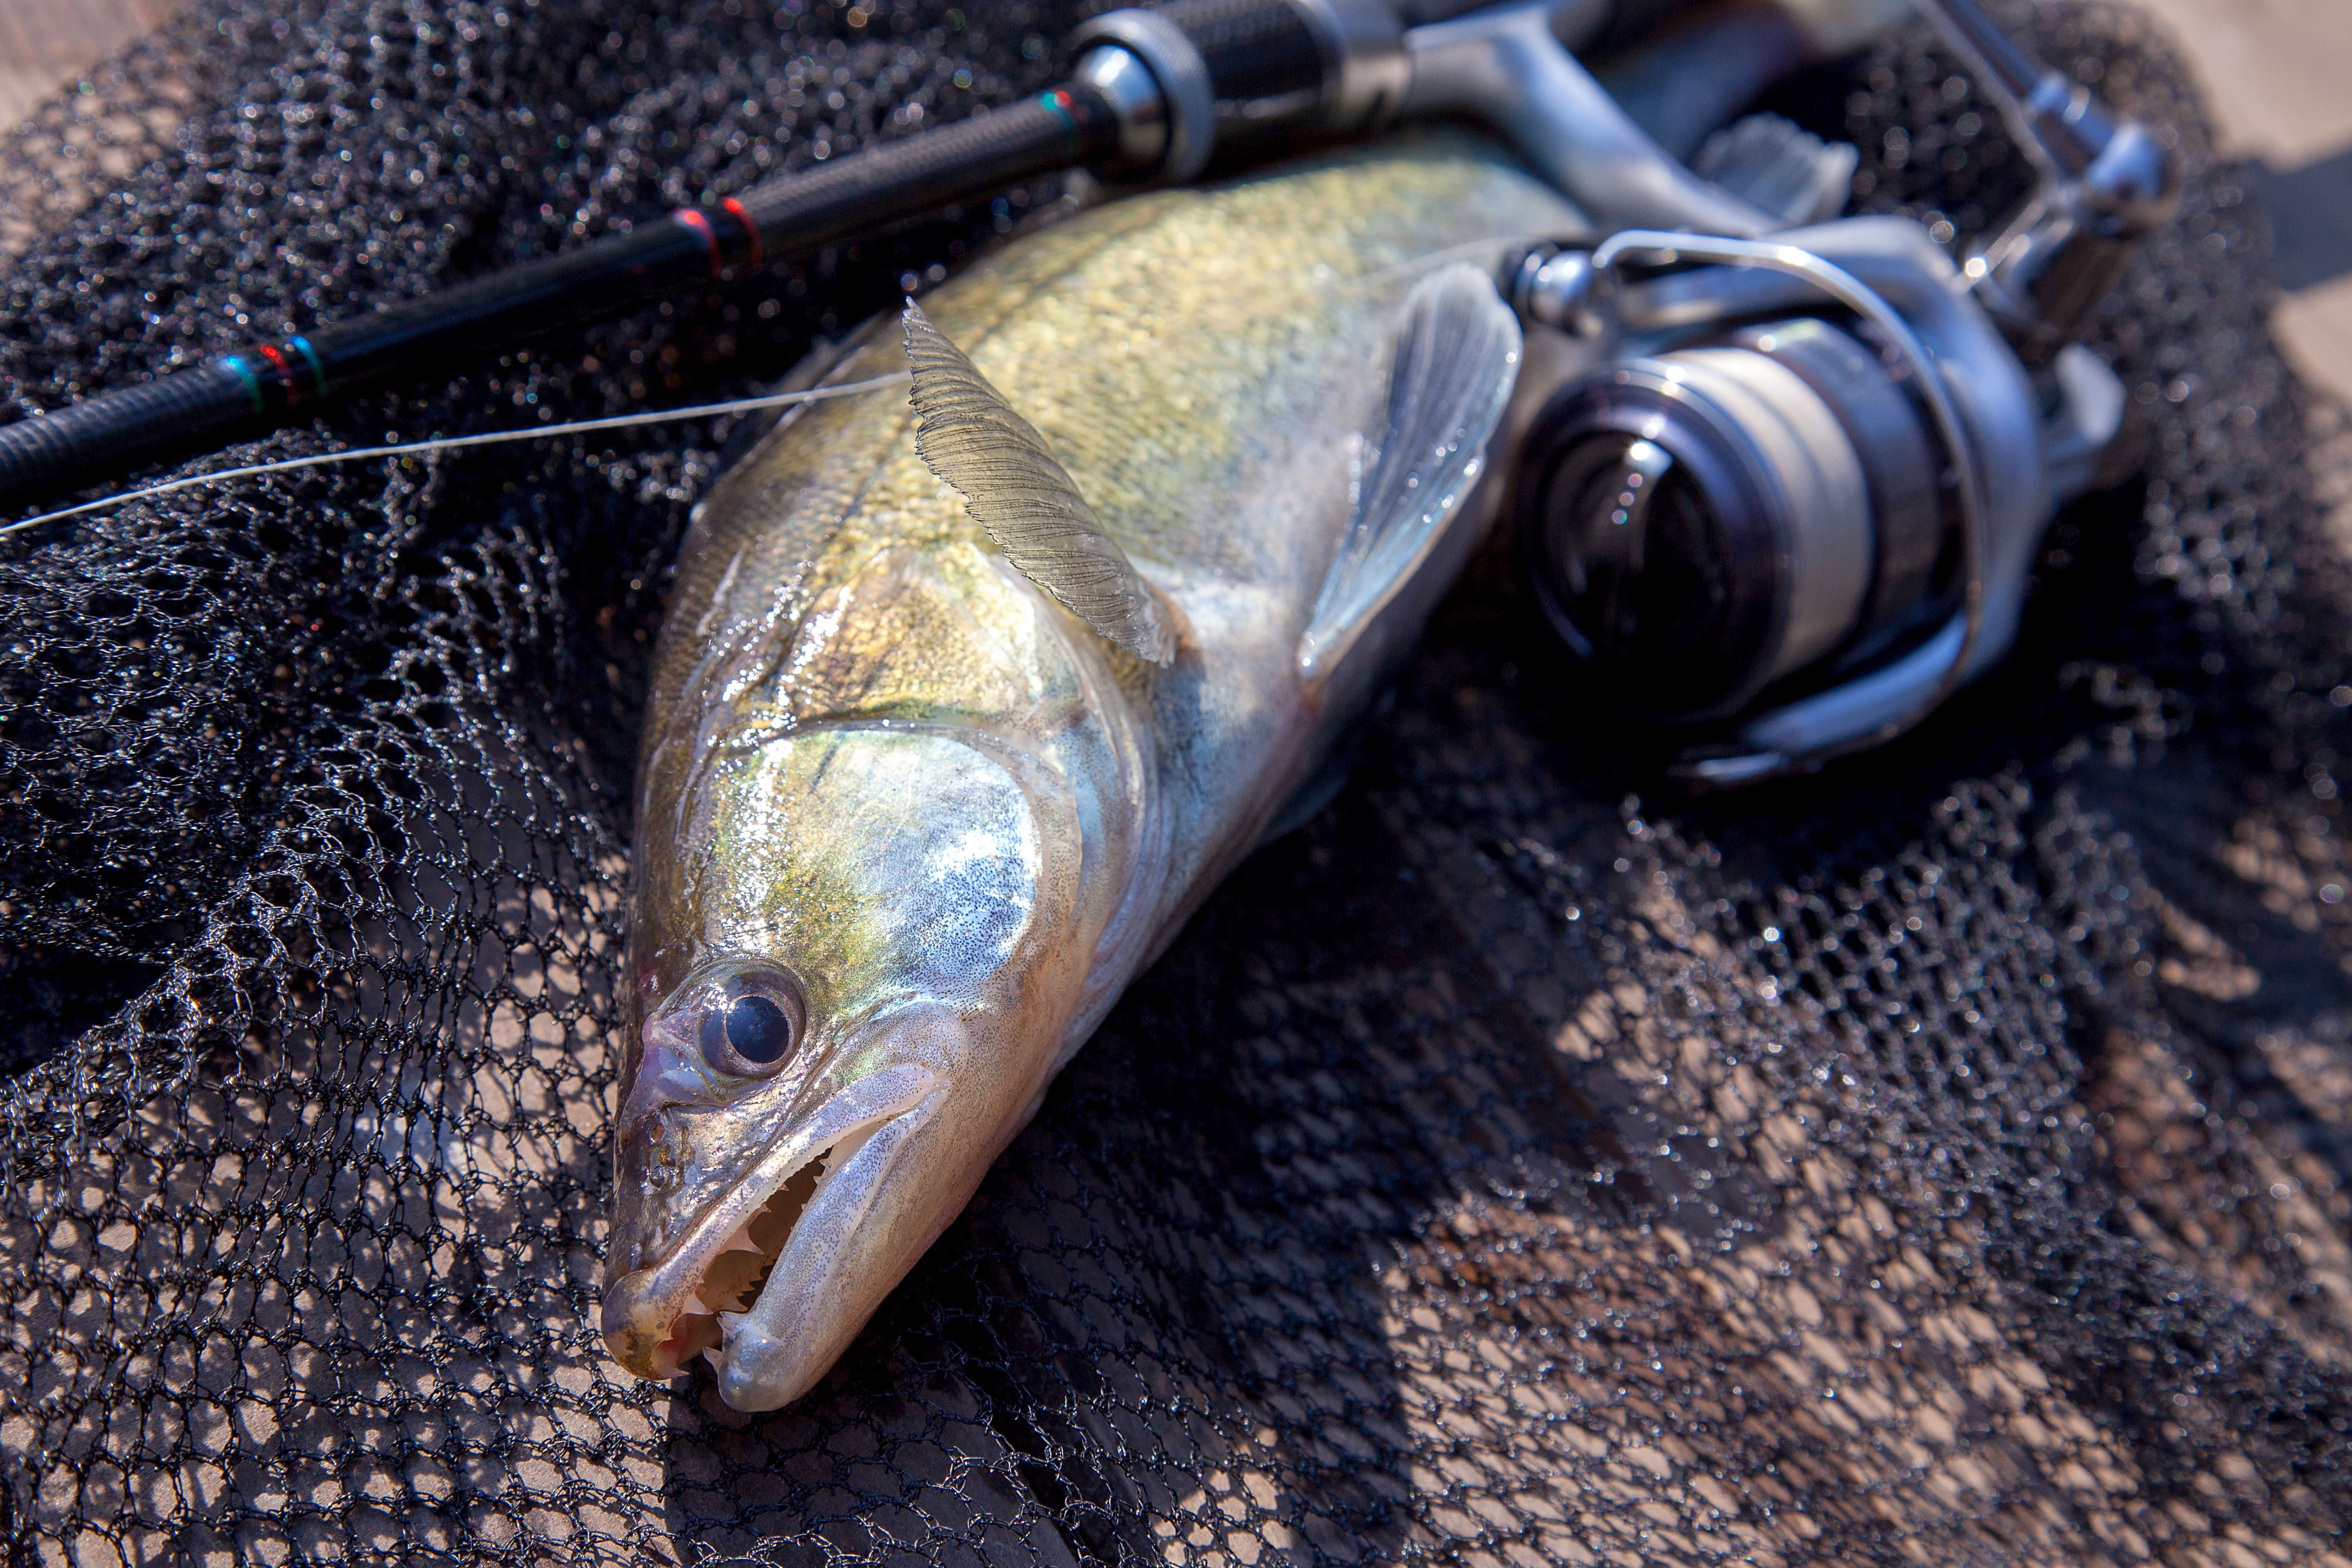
[
  {"x": 649, "y": 1163},
  {"x": 668, "y": 1073},
  {"x": 637, "y": 1319},
  {"x": 653, "y": 1153},
  {"x": 689, "y": 1263}
]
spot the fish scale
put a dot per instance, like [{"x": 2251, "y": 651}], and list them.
[{"x": 889, "y": 772}]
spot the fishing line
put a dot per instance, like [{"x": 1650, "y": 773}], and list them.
[
  {"x": 453, "y": 443},
  {"x": 619, "y": 421},
  {"x": 614, "y": 422}
]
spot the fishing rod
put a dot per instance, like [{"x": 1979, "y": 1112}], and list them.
[{"x": 1153, "y": 94}]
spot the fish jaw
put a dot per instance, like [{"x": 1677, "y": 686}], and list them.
[
  {"x": 825, "y": 1221},
  {"x": 649, "y": 1311},
  {"x": 901, "y": 1185}
]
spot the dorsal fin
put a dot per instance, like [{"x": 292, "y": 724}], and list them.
[
  {"x": 969, "y": 436},
  {"x": 1457, "y": 354}
]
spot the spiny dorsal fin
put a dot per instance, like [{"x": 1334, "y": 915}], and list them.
[
  {"x": 1457, "y": 354},
  {"x": 969, "y": 436}
]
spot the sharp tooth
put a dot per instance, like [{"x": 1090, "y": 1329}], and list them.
[
  {"x": 729, "y": 1278},
  {"x": 770, "y": 1226},
  {"x": 729, "y": 1325},
  {"x": 750, "y": 1252}
]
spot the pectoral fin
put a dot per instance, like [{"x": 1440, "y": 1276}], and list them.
[
  {"x": 971, "y": 438},
  {"x": 1457, "y": 354}
]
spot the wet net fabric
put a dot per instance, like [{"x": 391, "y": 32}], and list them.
[{"x": 1940, "y": 1160}]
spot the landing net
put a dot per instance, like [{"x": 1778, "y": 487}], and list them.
[{"x": 1943, "y": 1160}]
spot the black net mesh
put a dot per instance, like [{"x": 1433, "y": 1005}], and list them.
[{"x": 1942, "y": 1159}]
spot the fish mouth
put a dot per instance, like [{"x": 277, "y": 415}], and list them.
[{"x": 656, "y": 1320}]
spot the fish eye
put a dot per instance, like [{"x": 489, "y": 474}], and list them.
[
  {"x": 752, "y": 1022},
  {"x": 757, "y": 1029}
]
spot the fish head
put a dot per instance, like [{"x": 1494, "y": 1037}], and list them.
[{"x": 853, "y": 965}]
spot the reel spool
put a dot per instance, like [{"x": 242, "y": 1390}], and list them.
[{"x": 1707, "y": 522}]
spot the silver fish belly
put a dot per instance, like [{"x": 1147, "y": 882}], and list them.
[{"x": 941, "y": 752}]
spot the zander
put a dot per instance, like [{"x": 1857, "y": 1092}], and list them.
[{"x": 964, "y": 703}]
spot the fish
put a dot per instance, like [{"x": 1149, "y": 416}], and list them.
[{"x": 964, "y": 701}]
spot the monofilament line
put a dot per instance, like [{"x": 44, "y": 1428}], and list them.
[{"x": 452, "y": 442}]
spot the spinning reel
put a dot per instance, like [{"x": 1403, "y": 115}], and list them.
[{"x": 1793, "y": 506}]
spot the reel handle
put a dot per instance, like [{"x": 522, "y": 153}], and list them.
[{"x": 2107, "y": 183}]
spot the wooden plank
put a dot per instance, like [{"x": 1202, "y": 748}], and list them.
[
  {"x": 45, "y": 44},
  {"x": 2274, "y": 73}
]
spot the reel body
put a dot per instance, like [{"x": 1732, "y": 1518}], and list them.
[
  {"x": 1791, "y": 500},
  {"x": 1795, "y": 501}
]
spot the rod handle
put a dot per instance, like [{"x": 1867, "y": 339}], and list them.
[
  {"x": 1254, "y": 50},
  {"x": 1052, "y": 129},
  {"x": 119, "y": 431}
]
